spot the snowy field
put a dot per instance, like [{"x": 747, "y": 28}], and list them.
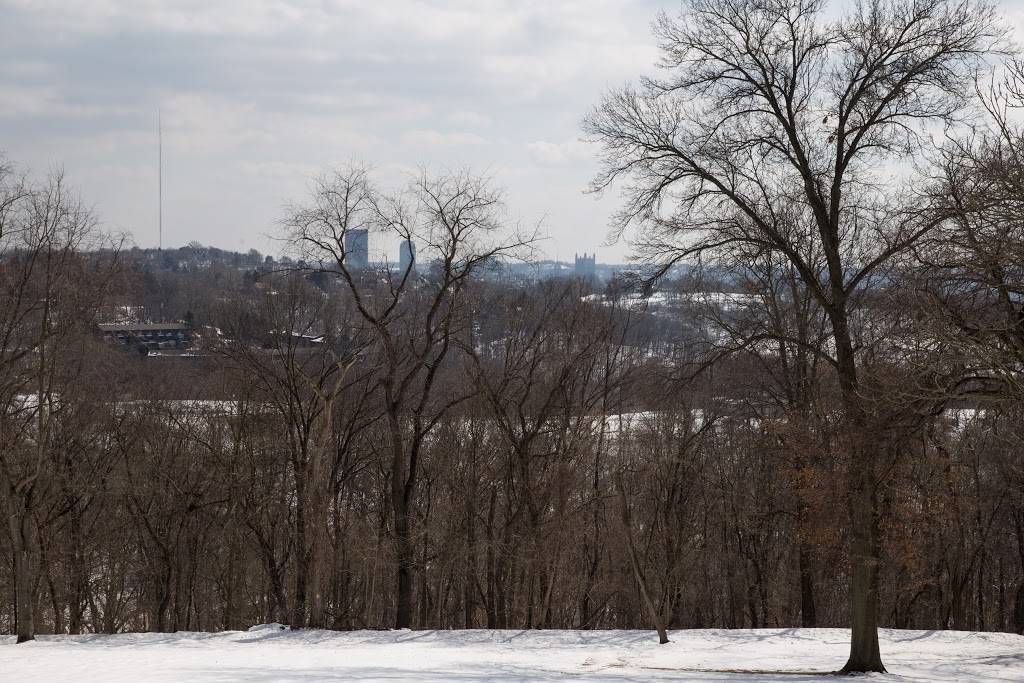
[{"x": 267, "y": 653}]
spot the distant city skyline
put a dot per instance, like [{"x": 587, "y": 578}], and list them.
[{"x": 258, "y": 97}]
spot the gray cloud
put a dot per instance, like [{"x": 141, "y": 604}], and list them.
[{"x": 257, "y": 96}]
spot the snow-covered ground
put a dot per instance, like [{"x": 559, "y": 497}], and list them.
[{"x": 269, "y": 654}]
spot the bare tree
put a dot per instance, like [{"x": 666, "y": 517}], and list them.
[
  {"x": 457, "y": 221},
  {"x": 48, "y": 299},
  {"x": 634, "y": 561},
  {"x": 970, "y": 268},
  {"x": 542, "y": 379},
  {"x": 768, "y": 105},
  {"x": 299, "y": 356}
]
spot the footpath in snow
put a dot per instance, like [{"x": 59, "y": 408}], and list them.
[{"x": 268, "y": 653}]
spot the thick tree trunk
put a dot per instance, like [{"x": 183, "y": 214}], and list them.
[
  {"x": 24, "y": 546},
  {"x": 404, "y": 556},
  {"x": 26, "y": 629},
  {"x": 311, "y": 515},
  {"x": 808, "y": 613},
  {"x": 318, "y": 491},
  {"x": 403, "y": 535},
  {"x": 864, "y": 652},
  {"x": 402, "y": 478},
  {"x": 277, "y": 603},
  {"x": 163, "y": 598},
  {"x": 314, "y": 586},
  {"x": 862, "y": 502}
]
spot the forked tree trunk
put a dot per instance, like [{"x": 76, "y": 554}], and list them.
[
  {"x": 641, "y": 582},
  {"x": 310, "y": 521}
]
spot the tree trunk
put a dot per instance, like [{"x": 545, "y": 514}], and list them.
[
  {"x": 403, "y": 536},
  {"x": 864, "y": 652},
  {"x": 470, "y": 578},
  {"x": 26, "y": 630},
  {"x": 492, "y": 566},
  {"x": 298, "y": 616},
  {"x": 862, "y": 501},
  {"x": 404, "y": 555},
  {"x": 24, "y": 547},
  {"x": 79, "y": 578},
  {"x": 641, "y": 583},
  {"x": 401, "y": 489},
  {"x": 808, "y": 613}
]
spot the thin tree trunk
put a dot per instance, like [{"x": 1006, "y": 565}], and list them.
[
  {"x": 79, "y": 580},
  {"x": 298, "y": 616},
  {"x": 635, "y": 562},
  {"x": 469, "y": 582}
]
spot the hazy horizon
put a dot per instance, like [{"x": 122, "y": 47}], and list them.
[{"x": 257, "y": 98}]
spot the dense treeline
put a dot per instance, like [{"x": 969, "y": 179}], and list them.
[
  {"x": 818, "y": 425},
  {"x": 252, "y": 481}
]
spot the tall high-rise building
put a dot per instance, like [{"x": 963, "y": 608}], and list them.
[
  {"x": 357, "y": 248},
  {"x": 586, "y": 266},
  {"x": 406, "y": 255}
]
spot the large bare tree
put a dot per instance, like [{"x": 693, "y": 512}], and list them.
[{"x": 769, "y": 108}]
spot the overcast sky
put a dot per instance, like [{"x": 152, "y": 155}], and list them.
[{"x": 258, "y": 96}]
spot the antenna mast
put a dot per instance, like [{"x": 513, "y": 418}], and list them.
[{"x": 160, "y": 178}]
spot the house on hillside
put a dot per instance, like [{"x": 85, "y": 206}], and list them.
[{"x": 148, "y": 336}]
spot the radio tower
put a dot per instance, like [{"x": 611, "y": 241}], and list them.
[{"x": 160, "y": 178}]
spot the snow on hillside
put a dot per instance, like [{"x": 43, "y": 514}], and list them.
[{"x": 269, "y": 653}]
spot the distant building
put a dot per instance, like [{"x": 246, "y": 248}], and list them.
[
  {"x": 357, "y": 248},
  {"x": 148, "y": 336},
  {"x": 586, "y": 266},
  {"x": 406, "y": 255}
]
